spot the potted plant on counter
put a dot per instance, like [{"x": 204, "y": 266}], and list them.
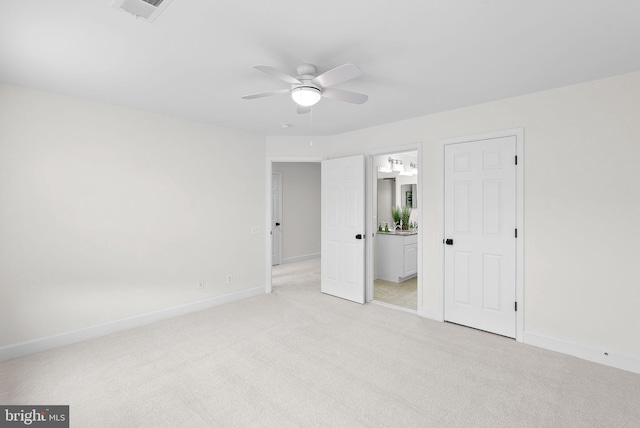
[
  {"x": 406, "y": 213},
  {"x": 396, "y": 213}
]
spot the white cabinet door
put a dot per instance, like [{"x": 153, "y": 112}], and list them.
[
  {"x": 410, "y": 260},
  {"x": 343, "y": 228},
  {"x": 480, "y": 222},
  {"x": 396, "y": 256}
]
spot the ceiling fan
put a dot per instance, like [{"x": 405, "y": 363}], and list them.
[{"x": 307, "y": 88}]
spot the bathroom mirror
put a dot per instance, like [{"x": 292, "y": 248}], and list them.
[{"x": 407, "y": 196}]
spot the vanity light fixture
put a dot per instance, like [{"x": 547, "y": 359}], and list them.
[
  {"x": 413, "y": 169},
  {"x": 396, "y": 165},
  {"x": 393, "y": 165},
  {"x": 306, "y": 96}
]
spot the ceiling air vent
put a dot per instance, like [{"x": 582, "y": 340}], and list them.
[{"x": 145, "y": 9}]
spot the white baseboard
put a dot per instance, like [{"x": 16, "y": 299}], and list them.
[
  {"x": 30, "y": 347},
  {"x": 602, "y": 356},
  {"x": 300, "y": 258}
]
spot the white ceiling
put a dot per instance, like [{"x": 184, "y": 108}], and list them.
[{"x": 417, "y": 56}]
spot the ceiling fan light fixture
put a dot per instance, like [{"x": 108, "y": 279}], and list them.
[{"x": 306, "y": 96}]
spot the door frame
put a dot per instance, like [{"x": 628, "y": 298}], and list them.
[
  {"x": 518, "y": 133},
  {"x": 267, "y": 241},
  {"x": 372, "y": 228}
]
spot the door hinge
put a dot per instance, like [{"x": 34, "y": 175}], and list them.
[
  {"x": 516, "y": 160},
  {"x": 516, "y": 306},
  {"x": 516, "y": 233}
]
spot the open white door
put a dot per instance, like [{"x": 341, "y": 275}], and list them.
[
  {"x": 343, "y": 228},
  {"x": 480, "y": 234}
]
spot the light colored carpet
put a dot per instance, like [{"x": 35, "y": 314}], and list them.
[
  {"x": 403, "y": 293},
  {"x": 298, "y": 358}
]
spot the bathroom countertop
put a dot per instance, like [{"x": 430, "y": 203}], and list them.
[{"x": 399, "y": 232}]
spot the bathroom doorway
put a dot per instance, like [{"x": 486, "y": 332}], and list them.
[{"x": 396, "y": 222}]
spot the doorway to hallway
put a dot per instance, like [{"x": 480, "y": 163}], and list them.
[{"x": 297, "y": 206}]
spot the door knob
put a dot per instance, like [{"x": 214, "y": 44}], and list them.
[
  {"x": 358, "y": 236},
  {"x": 449, "y": 241},
  {"x": 277, "y": 224}
]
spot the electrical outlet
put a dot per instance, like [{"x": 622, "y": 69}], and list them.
[
  {"x": 229, "y": 279},
  {"x": 201, "y": 284}
]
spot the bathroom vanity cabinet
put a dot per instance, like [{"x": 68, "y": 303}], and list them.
[{"x": 396, "y": 256}]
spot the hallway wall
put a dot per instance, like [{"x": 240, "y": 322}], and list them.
[{"x": 300, "y": 209}]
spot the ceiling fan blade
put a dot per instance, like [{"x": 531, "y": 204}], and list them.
[
  {"x": 303, "y": 109},
  {"x": 337, "y": 75},
  {"x": 266, "y": 94},
  {"x": 346, "y": 96},
  {"x": 278, "y": 74}
]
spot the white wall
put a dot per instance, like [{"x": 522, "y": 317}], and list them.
[
  {"x": 108, "y": 213},
  {"x": 582, "y": 203},
  {"x": 300, "y": 209}
]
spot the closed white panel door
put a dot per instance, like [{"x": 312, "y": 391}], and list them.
[
  {"x": 276, "y": 219},
  {"x": 343, "y": 233},
  {"x": 480, "y": 223}
]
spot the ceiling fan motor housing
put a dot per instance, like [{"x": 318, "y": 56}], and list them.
[
  {"x": 306, "y": 70},
  {"x": 306, "y": 84}
]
